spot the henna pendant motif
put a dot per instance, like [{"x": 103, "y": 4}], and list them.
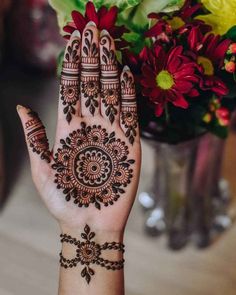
[
  {"x": 109, "y": 79},
  {"x": 69, "y": 90},
  {"x": 90, "y": 72},
  {"x": 92, "y": 167},
  {"x": 129, "y": 117},
  {"x": 88, "y": 252},
  {"x": 36, "y": 136}
]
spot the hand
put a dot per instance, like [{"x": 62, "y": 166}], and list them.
[{"x": 92, "y": 174}]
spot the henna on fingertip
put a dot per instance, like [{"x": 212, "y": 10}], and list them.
[
  {"x": 90, "y": 71},
  {"x": 129, "y": 117},
  {"x": 69, "y": 88},
  {"x": 36, "y": 136},
  {"x": 110, "y": 84}
]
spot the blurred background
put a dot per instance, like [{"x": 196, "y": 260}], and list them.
[{"x": 29, "y": 238}]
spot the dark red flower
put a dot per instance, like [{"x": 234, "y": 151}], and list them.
[
  {"x": 135, "y": 61},
  {"x": 104, "y": 19},
  {"x": 169, "y": 77},
  {"x": 211, "y": 51},
  {"x": 179, "y": 22}
]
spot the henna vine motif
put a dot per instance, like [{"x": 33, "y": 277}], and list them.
[
  {"x": 90, "y": 71},
  {"x": 129, "y": 117},
  {"x": 92, "y": 166},
  {"x": 109, "y": 78},
  {"x": 36, "y": 137},
  {"x": 88, "y": 252},
  {"x": 69, "y": 90}
]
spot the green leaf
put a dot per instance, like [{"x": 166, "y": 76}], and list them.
[
  {"x": 231, "y": 34},
  {"x": 64, "y": 9}
]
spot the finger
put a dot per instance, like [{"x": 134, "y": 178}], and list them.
[
  {"x": 69, "y": 104},
  {"x": 128, "y": 117},
  {"x": 90, "y": 71},
  {"x": 35, "y": 135},
  {"x": 110, "y": 83}
]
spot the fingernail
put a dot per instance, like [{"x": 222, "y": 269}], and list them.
[
  {"x": 104, "y": 33},
  {"x": 126, "y": 69},
  {"x": 91, "y": 24},
  {"x": 18, "y": 107},
  {"x": 76, "y": 34}
]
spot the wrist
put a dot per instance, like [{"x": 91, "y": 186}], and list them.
[{"x": 89, "y": 250}]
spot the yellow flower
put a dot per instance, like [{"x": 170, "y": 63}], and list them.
[{"x": 222, "y": 15}]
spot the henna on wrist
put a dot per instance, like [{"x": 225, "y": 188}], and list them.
[
  {"x": 92, "y": 166},
  {"x": 36, "y": 137},
  {"x": 88, "y": 252}
]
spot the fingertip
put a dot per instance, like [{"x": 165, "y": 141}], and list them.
[
  {"x": 126, "y": 69},
  {"x": 76, "y": 34}
]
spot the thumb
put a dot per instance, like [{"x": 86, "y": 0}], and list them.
[{"x": 35, "y": 135}]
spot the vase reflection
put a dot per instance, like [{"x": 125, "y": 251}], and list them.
[{"x": 188, "y": 199}]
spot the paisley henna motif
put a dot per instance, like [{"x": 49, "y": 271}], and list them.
[
  {"x": 36, "y": 137},
  {"x": 129, "y": 118},
  {"x": 92, "y": 167},
  {"x": 88, "y": 252},
  {"x": 69, "y": 90},
  {"x": 110, "y": 87},
  {"x": 90, "y": 71}
]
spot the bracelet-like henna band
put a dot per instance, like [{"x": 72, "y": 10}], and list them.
[{"x": 88, "y": 252}]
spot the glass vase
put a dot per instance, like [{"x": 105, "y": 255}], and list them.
[{"x": 189, "y": 197}]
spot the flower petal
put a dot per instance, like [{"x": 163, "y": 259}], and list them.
[
  {"x": 79, "y": 20},
  {"x": 108, "y": 21},
  {"x": 91, "y": 13}
]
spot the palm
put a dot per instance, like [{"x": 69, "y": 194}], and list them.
[{"x": 94, "y": 167}]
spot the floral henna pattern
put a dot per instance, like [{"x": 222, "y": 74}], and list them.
[
  {"x": 110, "y": 91},
  {"x": 129, "y": 118},
  {"x": 69, "y": 90},
  {"x": 90, "y": 72},
  {"x": 92, "y": 167},
  {"x": 36, "y": 137},
  {"x": 88, "y": 252}
]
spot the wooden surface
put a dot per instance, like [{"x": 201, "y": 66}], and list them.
[{"x": 29, "y": 243}]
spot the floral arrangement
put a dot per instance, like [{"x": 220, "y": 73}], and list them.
[{"x": 182, "y": 53}]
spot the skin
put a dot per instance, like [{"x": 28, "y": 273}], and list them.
[{"x": 108, "y": 223}]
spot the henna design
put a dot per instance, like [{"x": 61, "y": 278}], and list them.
[
  {"x": 88, "y": 252},
  {"x": 69, "y": 90},
  {"x": 110, "y": 90},
  {"x": 129, "y": 118},
  {"x": 92, "y": 166},
  {"x": 36, "y": 136},
  {"x": 90, "y": 71}
]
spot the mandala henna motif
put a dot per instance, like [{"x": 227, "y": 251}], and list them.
[
  {"x": 92, "y": 167},
  {"x": 110, "y": 90},
  {"x": 90, "y": 71},
  {"x": 88, "y": 252},
  {"x": 36, "y": 137},
  {"x": 129, "y": 118},
  {"x": 69, "y": 90}
]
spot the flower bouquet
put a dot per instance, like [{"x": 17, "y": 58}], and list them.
[{"x": 183, "y": 56}]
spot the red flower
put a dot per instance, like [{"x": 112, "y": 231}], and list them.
[
  {"x": 169, "y": 77},
  {"x": 210, "y": 52},
  {"x": 135, "y": 61},
  {"x": 104, "y": 19},
  {"x": 180, "y": 22}
]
